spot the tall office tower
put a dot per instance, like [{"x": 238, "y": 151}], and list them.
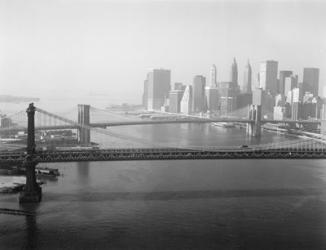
[
  {"x": 290, "y": 83},
  {"x": 211, "y": 94},
  {"x": 186, "y": 101},
  {"x": 234, "y": 72},
  {"x": 198, "y": 101},
  {"x": 296, "y": 104},
  {"x": 310, "y": 80},
  {"x": 213, "y": 82},
  {"x": 228, "y": 97},
  {"x": 145, "y": 94},
  {"x": 268, "y": 76},
  {"x": 284, "y": 74},
  {"x": 175, "y": 97},
  {"x": 246, "y": 87},
  {"x": 158, "y": 88}
]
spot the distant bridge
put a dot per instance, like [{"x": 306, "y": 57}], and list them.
[{"x": 155, "y": 122}]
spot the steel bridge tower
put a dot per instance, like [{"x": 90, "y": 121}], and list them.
[
  {"x": 32, "y": 191},
  {"x": 84, "y": 134}
]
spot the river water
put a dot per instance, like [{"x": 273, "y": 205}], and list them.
[{"x": 188, "y": 204}]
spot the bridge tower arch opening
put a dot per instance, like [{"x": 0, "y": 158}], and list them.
[
  {"x": 84, "y": 133},
  {"x": 32, "y": 191},
  {"x": 255, "y": 113},
  {"x": 254, "y": 128}
]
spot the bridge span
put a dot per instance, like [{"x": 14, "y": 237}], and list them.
[{"x": 160, "y": 154}]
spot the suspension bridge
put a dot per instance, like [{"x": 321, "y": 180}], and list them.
[
  {"x": 48, "y": 121},
  {"x": 38, "y": 119}
]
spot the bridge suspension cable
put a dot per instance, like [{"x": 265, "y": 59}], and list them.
[{"x": 97, "y": 130}]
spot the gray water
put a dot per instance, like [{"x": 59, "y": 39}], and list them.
[{"x": 199, "y": 204}]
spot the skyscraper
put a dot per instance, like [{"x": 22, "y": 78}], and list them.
[
  {"x": 198, "y": 86},
  {"x": 186, "y": 101},
  {"x": 246, "y": 87},
  {"x": 175, "y": 97},
  {"x": 145, "y": 93},
  {"x": 284, "y": 74},
  {"x": 296, "y": 104},
  {"x": 211, "y": 94},
  {"x": 268, "y": 76},
  {"x": 311, "y": 80},
  {"x": 228, "y": 97},
  {"x": 234, "y": 72},
  {"x": 213, "y": 82},
  {"x": 158, "y": 88}
]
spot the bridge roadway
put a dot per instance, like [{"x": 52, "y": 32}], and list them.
[
  {"x": 16, "y": 157},
  {"x": 151, "y": 122}
]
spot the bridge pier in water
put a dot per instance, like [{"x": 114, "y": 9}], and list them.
[
  {"x": 32, "y": 191},
  {"x": 84, "y": 134}
]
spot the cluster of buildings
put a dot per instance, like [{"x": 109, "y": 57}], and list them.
[{"x": 283, "y": 95}]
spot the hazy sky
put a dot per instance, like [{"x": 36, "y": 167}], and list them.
[{"x": 102, "y": 49}]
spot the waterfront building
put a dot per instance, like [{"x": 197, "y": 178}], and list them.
[
  {"x": 165, "y": 106},
  {"x": 247, "y": 81},
  {"x": 186, "y": 101},
  {"x": 212, "y": 99},
  {"x": 145, "y": 94},
  {"x": 279, "y": 113},
  {"x": 311, "y": 106},
  {"x": 296, "y": 104},
  {"x": 158, "y": 88},
  {"x": 175, "y": 97},
  {"x": 290, "y": 83},
  {"x": 280, "y": 110},
  {"x": 265, "y": 99},
  {"x": 198, "y": 88},
  {"x": 6, "y": 122},
  {"x": 310, "y": 80},
  {"x": 268, "y": 76},
  {"x": 228, "y": 97},
  {"x": 284, "y": 74}
]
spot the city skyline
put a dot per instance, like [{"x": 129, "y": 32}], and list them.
[{"x": 105, "y": 48}]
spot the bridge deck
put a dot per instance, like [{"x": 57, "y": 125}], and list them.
[{"x": 163, "y": 154}]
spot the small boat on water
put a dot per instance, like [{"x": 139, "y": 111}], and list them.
[
  {"x": 224, "y": 124},
  {"x": 53, "y": 172},
  {"x": 39, "y": 171}
]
